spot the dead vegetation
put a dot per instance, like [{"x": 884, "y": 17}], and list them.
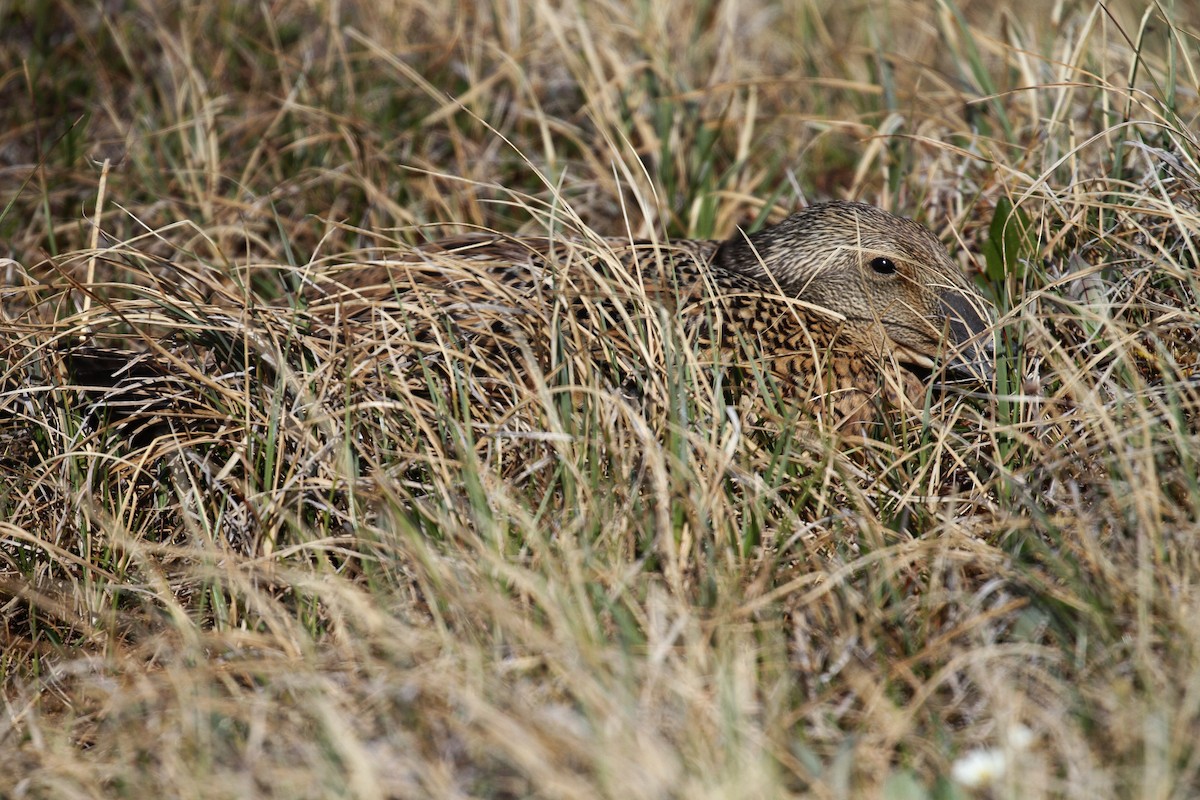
[{"x": 292, "y": 565}]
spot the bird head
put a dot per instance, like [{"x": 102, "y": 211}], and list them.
[{"x": 888, "y": 277}]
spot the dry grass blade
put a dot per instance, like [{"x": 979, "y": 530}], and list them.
[{"x": 275, "y": 519}]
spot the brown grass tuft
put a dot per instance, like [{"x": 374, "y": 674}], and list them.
[{"x": 295, "y": 564}]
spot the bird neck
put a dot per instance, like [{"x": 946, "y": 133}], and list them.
[
  {"x": 744, "y": 254},
  {"x": 748, "y": 257}
]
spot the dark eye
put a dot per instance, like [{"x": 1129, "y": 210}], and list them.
[{"x": 884, "y": 266}]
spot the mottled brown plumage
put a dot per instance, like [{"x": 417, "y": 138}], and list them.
[{"x": 843, "y": 302}]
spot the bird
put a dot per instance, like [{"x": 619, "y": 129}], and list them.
[{"x": 847, "y": 306}]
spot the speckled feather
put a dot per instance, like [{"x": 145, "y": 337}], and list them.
[{"x": 800, "y": 297}]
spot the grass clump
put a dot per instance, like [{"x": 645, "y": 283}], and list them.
[{"x": 309, "y": 566}]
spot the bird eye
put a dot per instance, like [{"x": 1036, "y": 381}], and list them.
[{"x": 884, "y": 266}]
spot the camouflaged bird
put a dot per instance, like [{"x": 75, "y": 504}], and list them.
[{"x": 843, "y": 302}]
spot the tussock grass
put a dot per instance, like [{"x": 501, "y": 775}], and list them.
[{"x": 300, "y": 561}]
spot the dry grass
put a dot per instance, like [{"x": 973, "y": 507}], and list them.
[{"x": 321, "y": 570}]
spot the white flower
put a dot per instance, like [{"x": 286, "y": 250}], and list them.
[
  {"x": 1019, "y": 738},
  {"x": 986, "y": 766},
  {"x": 979, "y": 768}
]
